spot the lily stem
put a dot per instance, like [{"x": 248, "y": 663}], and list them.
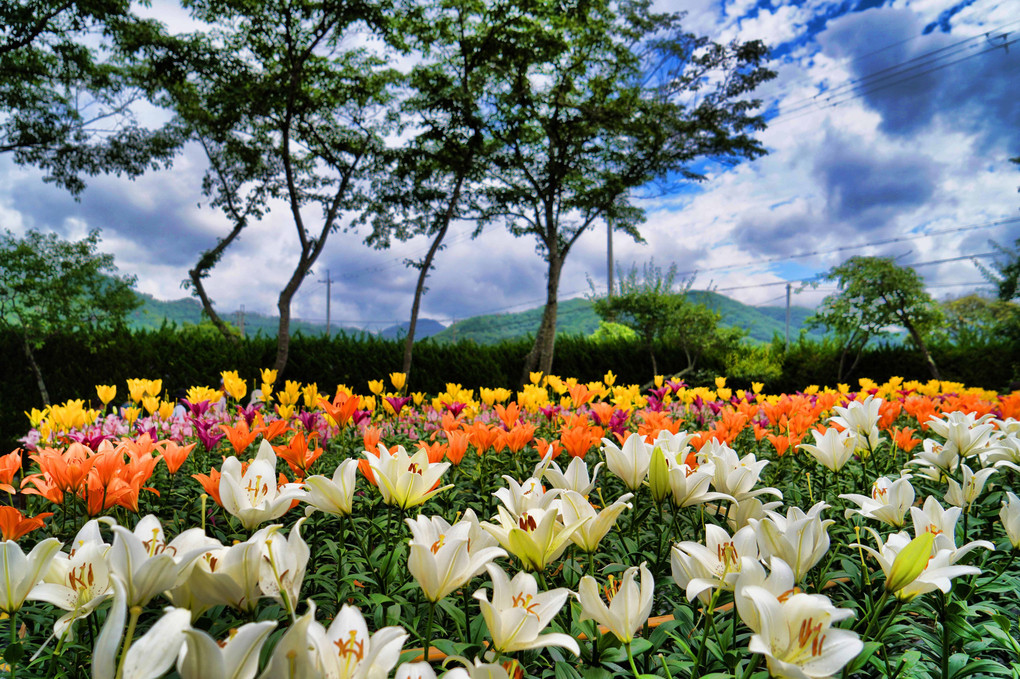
[
  {"x": 136, "y": 611},
  {"x": 630, "y": 658}
]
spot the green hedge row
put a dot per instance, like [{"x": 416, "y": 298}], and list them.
[{"x": 73, "y": 364}]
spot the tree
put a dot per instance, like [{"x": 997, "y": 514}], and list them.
[
  {"x": 50, "y": 285},
  {"x": 592, "y": 101},
  {"x": 657, "y": 310},
  {"x": 65, "y": 103},
  {"x": 287, "y": 113},
  {"x": 874, "y": 295},
  {"x": 973, "y": 319},
  {"x": 437, "y": 173}
]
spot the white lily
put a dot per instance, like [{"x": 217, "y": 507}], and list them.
[
  {"x": 861, "y": 419},
  {"x": 478, "y": 670},
  {"x": 348, "y": 651},
  {"x": 253, "y": 496},
  {"x": 406, "y": 481},
  {"x": 518, "y": 613},
  {"x": 797, "y": 637},
  {"x": 332, "y": 496},
  {"x": 1010, "y": 517},
  {"x": 888, "y": 503},
  {"x": 965, "y": 432},
  {"x": 699, "y": 568},
  {"x": 833, "y": 448},
  {"x": 594, "y": 525},
  {"x": 20, "y": 573},
  {"x": 236, "y": 657},
  {"x": 628, "y": 609},
  {"x": 283, "y": 563},
  {"x": 229, "y": 576},
  {"x": 799, "y": 539},
  {"x": 147, "y": 564},
  {"x": 779, "y": 582},
  {"x": 535, "y": 537},
  {"x": 298, "y": 652},
  {"x": 973, "y": 484},
  {"x": 936, "y": 573},
  {"x": 630, "y": 463},
  {"x": 575, "y": 477},
  {"x": 732, "y": 475},
  {"x": 519, "y": 498},
  {"x": 148, "y": 656},
  {"x": 441, "y": 557},
  {"x": 77, "y": 584}
]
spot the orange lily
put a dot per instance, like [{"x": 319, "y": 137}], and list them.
[
  {"x": 370, "y": 437},
  {"x": 780, "y": 442},
  {"x": 577, "y": 441},
  {"x": 888, "y": 412},
  {"x": 274, "y": 429},
  {"x": 240, "y": 436},
  {"x": 41, "y": 485},
  {"x": 211, "y": 484},
  {"x": 543, "y": 447},
  {"x": 457, "y": 442},
  {"x": 14, "y": 524},
  {"x": 602, "y": 412},
  {"x": 903, "y": 438},
  {"x": 482, "y": 436},
  {"x": 175, "y": 455},
  {"x": 580, "y": 394},
  {"x": 67, "y": 469},
  {"x": 341, "y": 410},
  {"x": 299, "y": 454},
  {"x": 508, "y": 415},
  {"x": 436, "y": 451},
  {"x": 1010, "y": 405},
  {"x": 10, "y": 465},
  {"x": 654, "y": 422},
  {"x": 520, "y": 436},
  {"x": 921, "y": 408}
]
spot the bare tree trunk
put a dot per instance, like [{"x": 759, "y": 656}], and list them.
[
  {"x": 541, "y": 354},
  {"x": 207, "y": 307},
  {"x": 919, "y": 341},
  {"x": 35, "y": 370},
  {"x": 419, "y": 291}
]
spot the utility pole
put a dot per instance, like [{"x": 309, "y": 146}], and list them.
[
  {"x": 609, "y": 256},
  {"x": 787, "y": 347},
  {"x": 328, "y": 282}
]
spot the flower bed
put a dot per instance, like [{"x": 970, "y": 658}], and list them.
[{"x": 568, "y": 530}]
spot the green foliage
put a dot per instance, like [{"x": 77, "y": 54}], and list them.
[
  {"x": 656, "y": 311},
  {"x": 874, "y": 294},
  {"x": 758, "y": 363},
  {"x": 609, "y": 332},
  {"x": 1004, "y": 273},
  {"x": 48, "y": 285},
  {"x": 973, "y": 319},
  {"x": 64, "y": 101}
]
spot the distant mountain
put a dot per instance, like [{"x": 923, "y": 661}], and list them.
[
  {"x": 576, "y": 316},
  {"x": 187, "y": 310},
  {"x": 426, "y": 327}
]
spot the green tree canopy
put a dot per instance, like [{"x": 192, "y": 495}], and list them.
[
  {"x": 65, "y": 102},
  {"x": 48, "y": 284},
  {"x": 656, "y": 308},
  {"x": 593, "y": 101},
  {"x": 290, "y": 111},
  {"x": 875, "y": 294}
]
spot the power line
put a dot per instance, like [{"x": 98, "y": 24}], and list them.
[
  {"x": 845, "y": 248},
  {"x": 861, "y": 90},
  {"x": 898, "y": 70}
]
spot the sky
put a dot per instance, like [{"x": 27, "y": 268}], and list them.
[{"x": 890, "y": 129}]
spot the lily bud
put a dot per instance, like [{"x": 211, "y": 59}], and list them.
[
  {"x": 658, "y": 476},
  {"x": 910, "y": 562}
]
